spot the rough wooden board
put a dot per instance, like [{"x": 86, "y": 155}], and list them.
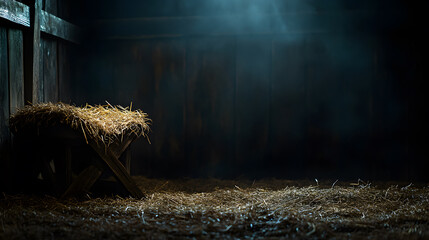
[
  {"x": 118, "y": 169},
  {"x": 83, "y": 182},
  {"x": 56, "y": 26},
  {"x": 210, "y": 105},
  {"x": 16, "y": 69},
  {"x": 32, "y": 60},
  {"x": 50, "y": 70},
  {"x": 50, "y": 56},
  {"x": 134, "y": 61},
  {"x": 65, "y": 55},
  {"x": 41, "y": 83},
  {"x": 64, "y": 72},
  {"x": 4, "y": 87},
  {"x": 4, "y": 110},
  {"x": 252, "y": 102},
  {"x": 168, "y": 136},
  {"x": 243, "y": 23},
  {"x": 288, "y": 109},
  {"x": 15, "y": 11},
  {"x": 21, "y": 14}
]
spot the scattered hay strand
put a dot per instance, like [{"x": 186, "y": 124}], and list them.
[
  {"x": 236, "y": 209},
  {"x": 105, "y": 123}
]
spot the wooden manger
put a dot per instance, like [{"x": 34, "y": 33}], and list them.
[{"x": 51, "y": 131}]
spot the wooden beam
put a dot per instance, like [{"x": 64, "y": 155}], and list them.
[
  {"x": 19, "y": 13},
  {"x": 15, "y": 12},
  {"x": 53, "y": 25},
  {"x": 304, "y": 22}
]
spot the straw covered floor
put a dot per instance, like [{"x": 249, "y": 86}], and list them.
[
  {"x": 206, "y": 209},
  {"x": 102, "y": 123}
]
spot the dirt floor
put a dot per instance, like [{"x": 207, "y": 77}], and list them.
[{"x": 210, "y": 208}]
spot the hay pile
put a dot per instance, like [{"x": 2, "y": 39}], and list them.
[
  {"x": 268, "y": 209},
  {"x": 105, "y": 123}
]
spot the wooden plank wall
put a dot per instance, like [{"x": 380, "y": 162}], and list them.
[
  {"x": 55, "y": 77},
  {"x": 4, "y": 107},
  {"x": 314, "y": 100}
]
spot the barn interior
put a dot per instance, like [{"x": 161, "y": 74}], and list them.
[{"x": 297, "y": 119}]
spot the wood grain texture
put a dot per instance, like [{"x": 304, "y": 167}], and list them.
[
  {"x": 65, "y": 86},
  {"x": 46, "y": 21},
  {"x": 5, "y": 165},
  {"x": 15, "y": 11},
  {"x": 132, "y": 61},
  {"x": 41, "y": 83},
  {"x": 4, "y": 87},
  {"x": 83, "y": 182},
  {"x": 50, "y": 70},
  {"x": 65, "y": 55},
  {"x": 16, "y": 69},
  {"x": 210, "y": 105},
  {"x": 120, "y": 172},
  {"x": 168, "y": 138},
  {"x": 58, "y": 27},
  {"x": 33, "y": 46},
  {"x": 238, "y": 24},
  {"x": 252, "y": 103},
  {"x": 48, "y": 53},
  {"x": 288, "y": 109}
]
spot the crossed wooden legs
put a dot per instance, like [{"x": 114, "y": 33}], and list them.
[{"x": 110, "y": 156}]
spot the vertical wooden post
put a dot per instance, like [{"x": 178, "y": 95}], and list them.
[
  {"x": 5, "y": 168},
  {"x": 68, "y": 165},
  {"x": 128, "y": 160},
  {"x": 16, "y": 69},
  {"x": 32, "y": 67}
]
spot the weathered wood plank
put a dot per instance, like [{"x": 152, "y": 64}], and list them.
[
  {"x": 118, "y": 169},
  {"x": 50, "y": 6},
  {"x": 236, "y": 24},
  {"x": 168, "y": 138},
  {"x": 66, "y": 56},
  {"x": 83, "y": 182},
  {"x": 56, "y": 26},
  {"x": 50, "y": 70},
  {"x": 252, "y": 103},
  {"x": 321, "y": 79},
  {"x": 128, "y": 160},
  {"x": 5, "y": 165},
  {"x": 49, "y": 57},
  {"x": 132, "y": 61},
  {"x": 65, "y": 85},
  {"x": 4, "y": 87},
  {"x": 288, "y": 109},
  {"x": 21, "y": 14},
  {"x": 65, "y": 10},
  {"x": 15, "y": 11},
  {"x": 16, "y": 69},
  {"x": 41, "y": 83},
  {"x": 210, "y": 105},
  {"x": 32, "y": 60}
]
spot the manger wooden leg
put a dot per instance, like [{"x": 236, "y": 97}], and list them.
[
  {"x": 48, "y": 173},
  {"x": 128, "y": 160},
  {"x": 118, "y": 170},
  {"x": 83, "y": 182},
  {"x": 68, "y": 165}
]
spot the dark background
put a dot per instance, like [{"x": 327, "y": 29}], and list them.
[{"x": 249, "y": 88}]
